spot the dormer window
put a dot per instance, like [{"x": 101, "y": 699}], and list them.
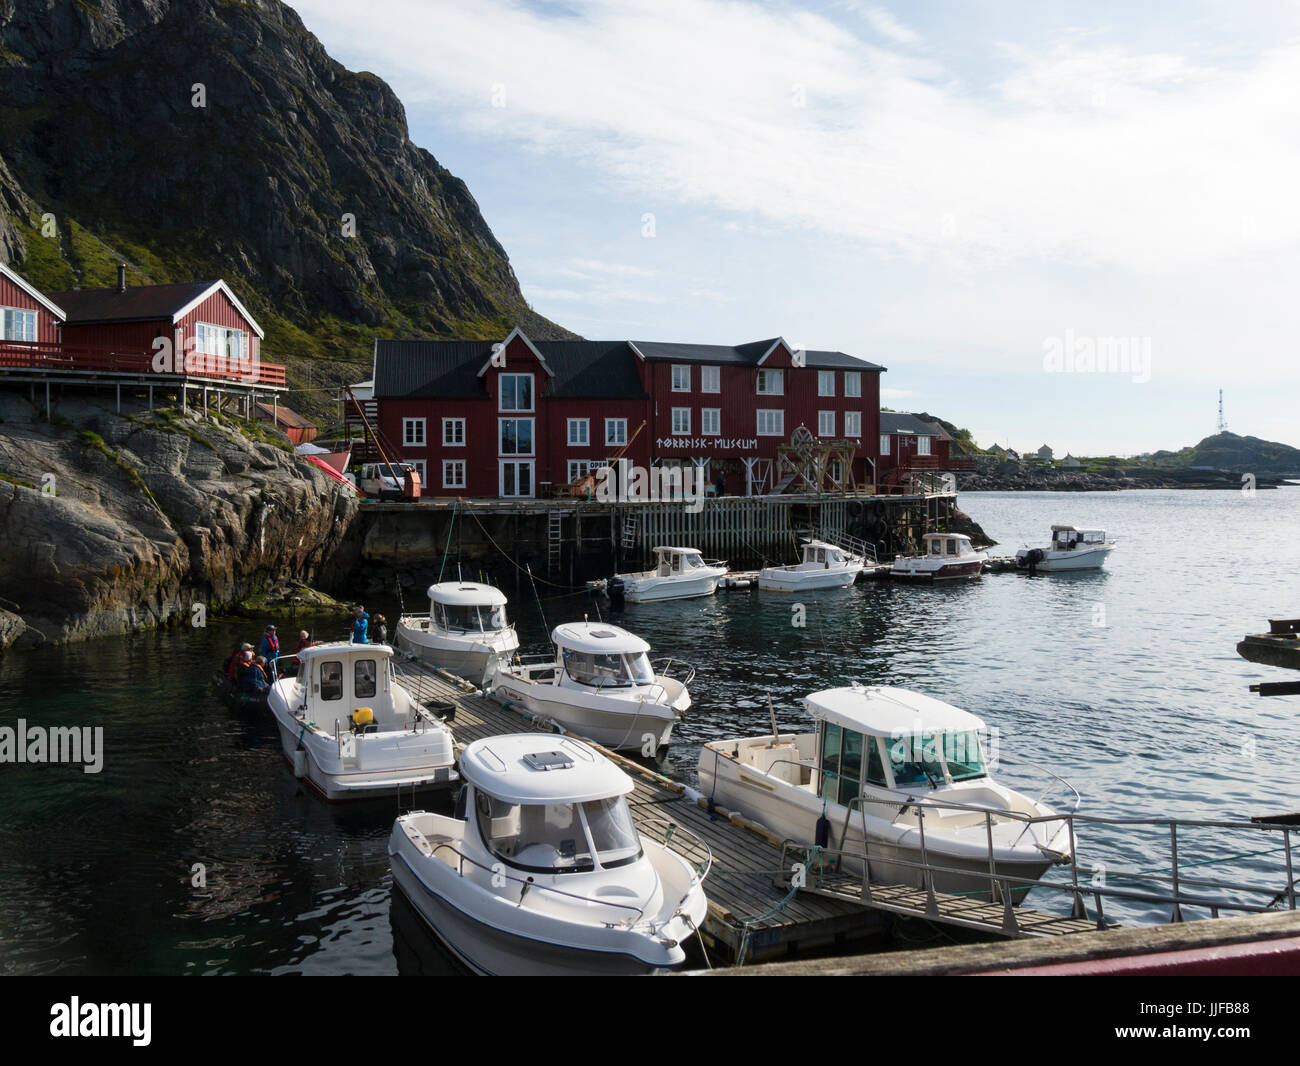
[
  {"x": 771, "y": 383},
  {"x": 516, "y": 392}
]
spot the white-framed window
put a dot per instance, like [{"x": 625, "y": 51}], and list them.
[
  {"x": 221, "y": 341},
  {"x": 710, "y": 379},
  {"x": 582, "y": 467},
  {"x": 516, "y": 392},
  {"x": 826, "y": 423},
  {"x": 771, "y": 423},
  {"x": 837, "y": 471},
  {"x": 711, "y": 421},
  {"x": 515, "y": 437},
  {"x": 516, "y": 477},
  {"x": 826, "y": 383},
  {"x": 616, "y": 431},
  {"x": 922, "y": 445},
  {"x": 884, "y": 444},
  {"x": 17, "y": 324},
  {"x": 418, "y": 465},
  {"x": 453, "y": 473},
  {"x": 681, "y": 377},
  {"x": 771, "y": 383},
  {"x": 453, "y": 433},
  {"x": 681, "y": 421},
  {"x": 852, "y": 383},
  {"x": 853, "y": 423},
  {"x": 579, "y": 433},
  {"x": 413, "y": 432}
]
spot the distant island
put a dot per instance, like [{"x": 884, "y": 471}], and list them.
[{"x": 1222, "y": 461}]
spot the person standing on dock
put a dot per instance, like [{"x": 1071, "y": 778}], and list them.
[
  {"x": 381, "y": 628},
  {"x": 360, "y": 624}
]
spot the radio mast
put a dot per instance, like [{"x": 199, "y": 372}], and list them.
[{"x": 1223, "y": 425}]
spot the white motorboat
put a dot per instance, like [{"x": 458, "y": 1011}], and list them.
[
  {"x": 944, "y": 557},
  {"x": 824, "y": 566},
  {"x": 465, "y": 631},
  {"x": 542, "y": 871},
  {"x": 351, "y": 731},
  {"x": 679, "y": 573},
  {"x": 600, "y": 685},
  {"x": 1069, "y": 549},
  {"x": 880, "y": 761}
]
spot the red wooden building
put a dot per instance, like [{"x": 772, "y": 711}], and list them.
[
  {"x": 26, "y": 314},
  {"x": 519, "y": 418},
  {"x": 909, "y": 445}
]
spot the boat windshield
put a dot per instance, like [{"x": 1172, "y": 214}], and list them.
[
  {"x": 471, "y": 617},
  {"x": 559, "y": 837},
  {"x": 589, "y": 668},
  {"x": 915, "y": 761},
  {"x": 690, "y": 562},
  {"x": 962, "y": 753}
]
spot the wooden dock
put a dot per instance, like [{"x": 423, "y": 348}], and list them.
[
  {"x": 751, "y": 917},
  {"x": 753, "y": 914}
]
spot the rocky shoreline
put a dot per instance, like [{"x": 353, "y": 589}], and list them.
[
  {"x": 1007, "y": 475},
  {"x": 116, "y": 522}
]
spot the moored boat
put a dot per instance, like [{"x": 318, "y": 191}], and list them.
[
  {"x": 351, "y": 731},
  {"x": 944, "y": 557},
  {"x": 542, "y": 872},
  {"x": 824, "y": 566},
  {"x": 1069, "y": 549},
  {"x": 465, "y": 631},
  {"x": 899, "y": 777},
  {"x": 601, "y": 685},
  {"x": 679, "y": 573}
]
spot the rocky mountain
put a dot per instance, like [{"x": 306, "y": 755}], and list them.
[
  {"x": 1229, "y": 452},
  {"x": 203, "y": 138}
]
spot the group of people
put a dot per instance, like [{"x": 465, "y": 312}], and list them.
[
  {"x": 251, "y": 670},
  {"x": 361, "y": 628}
]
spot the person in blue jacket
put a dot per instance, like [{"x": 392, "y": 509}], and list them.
[
  {"x": 270, "y": 648},
  {"x": 360, "y": 625}
]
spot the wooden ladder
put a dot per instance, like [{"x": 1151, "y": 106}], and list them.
[
  {"x": 554, "y": 541},
  {"x": 631, "y": 524}
]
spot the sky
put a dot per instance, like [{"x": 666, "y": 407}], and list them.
[{"x": 1053, "y": 223}]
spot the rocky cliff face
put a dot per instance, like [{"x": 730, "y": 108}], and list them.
[
  {"x": 202, "y": 138},
  {"x": 150, "y": 514}
]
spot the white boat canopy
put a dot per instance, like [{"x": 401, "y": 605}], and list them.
[
  {"x": 889, "y": 712},
  {"x": 467, "y": 594},
  {"x": 597, "y": 638},
  {"x": 541, "y": 769},
  {"x": 948, "y": 536},
  {"x": 335, "y": 648},
  {"x": 677, "y": 551}
]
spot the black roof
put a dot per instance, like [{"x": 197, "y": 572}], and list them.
[
  {"x": 138, "y": 303},
  {"x": 900, "y": 422},
  {"x": 603, "y": 370},
  {"x": 744, "y": 355}
]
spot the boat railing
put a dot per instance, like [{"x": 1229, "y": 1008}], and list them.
[
  {"x": 665, "y": 670},
  {"x": 1170, "y": 887},
  {"x": 498, "y": 872}
]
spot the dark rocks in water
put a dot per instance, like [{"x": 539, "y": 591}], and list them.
[
  {"x": 150, "y": 518},
  {"x": 963, "y": 523}
]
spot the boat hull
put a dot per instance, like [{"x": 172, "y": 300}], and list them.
[
  {"x": 474, "y": 661},
  {"x": 653, "y": 590},
  {"x": 774, "y": 580},
  {"x": 620, "y": 725},
  {"x": 1061, "y": 562},
  {"x": 930, "y": 575}
]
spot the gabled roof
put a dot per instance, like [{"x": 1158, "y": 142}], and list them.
[
  {"x": 517, "y": 332},
  {"x": 34, "y": 293},
  {"x": 900, "y": 422},
  {"x": 749, "y": 354},
  {"x": 145, "y": 303},
  {"x": 284, "y": 416}
]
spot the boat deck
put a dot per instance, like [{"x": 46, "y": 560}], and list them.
[{"x": 753, "y": 914}]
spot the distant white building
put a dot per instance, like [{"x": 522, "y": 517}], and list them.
[
  {"x": 1045, "y": 453},
  {"x": 1070, "y": 462}
]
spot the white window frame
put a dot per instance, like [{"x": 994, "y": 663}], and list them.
[
  {"x": 215, "y": 340},
  {"x": 410, "y": 442},
  {"x": 826, "y": 423},
  {"x": 448, "y": 438},
  {"x": 923, "y": 445},
  {"x": 611, "y": 423},
  {"x": 777, "y": 415},
  {"x": 681, "y": 421},
  {"x": 681, "y": 377},
  {"x": 581, "y": 468},
  {"x": 532, "y": 438},
  {"x": 6, "y": 335},
  {"x": 710, "y": 379},
  {"x": 582, "y": 439},
  {"x": 532, "y": 478},
  {"x": 501, "y": 394},
  {"x": 852, "y": 424},
  {"x": 767, "y": 378},
  {"x": 450, "y": 466},
  {"x": 852, "y": 383},
  {"x": 711, "y": 422},
  {"x": 826, "y": 383},
  {"x": 884, "y": 444}
]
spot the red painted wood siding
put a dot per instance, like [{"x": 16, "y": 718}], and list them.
[
  {"x": 216, "y": 310},
  {"x": 11, "y": 295}
]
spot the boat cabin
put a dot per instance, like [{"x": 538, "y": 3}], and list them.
[
  {"x": 892, "y": 739},
  {"x": 603, "y": 656},
  {"x": 817, "y": 553},
  {"x": 548, "y": 805},
  {"x": 467, "y": 607},
  {"x": 1068, "y": 538},
  {"x": 673, "y": 562},
  {"x": 348, "y": 683},
  {"x": 945, "y": 544}
]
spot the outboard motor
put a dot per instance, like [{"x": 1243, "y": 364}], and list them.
[
  {"x": 614, "y": 589},
  {"x": 1032, "y": 558}
]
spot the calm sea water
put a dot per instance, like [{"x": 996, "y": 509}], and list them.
[{"x": 1126, "y": 682}]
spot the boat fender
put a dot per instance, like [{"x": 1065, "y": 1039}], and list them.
[
  {"x": 822, "y": 834},
  {"x": 300, "y": 763}
]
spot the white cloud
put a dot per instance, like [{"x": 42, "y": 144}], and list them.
[{"x": 884, "y": 23}]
